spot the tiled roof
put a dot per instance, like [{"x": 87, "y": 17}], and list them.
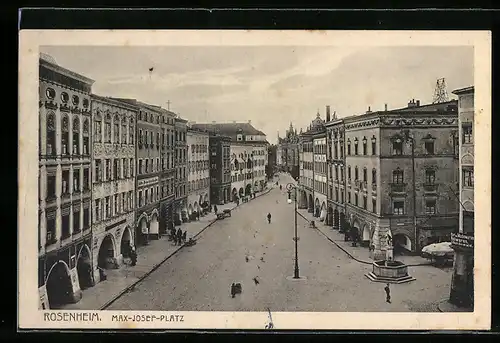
[{"x": 229, "y": 129}]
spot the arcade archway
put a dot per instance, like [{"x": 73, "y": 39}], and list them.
[
  {"x": 84, "y": 268},
  {"x": 153, "y": 225},
  {"x": 310, "y": 204},
  {"x": 329, "y": 216},
  {"x": 303, "y": 199},
  {"x": 126, "y": 242},
  {"x": 190, "y": 209},
  {"x": 58, "y": 285},
  {"x": 402, "y": 243},
  {"x": 316, "y": 208},
  {"x": 241, "y": 192},
  {"x": 322, "y": 213},
  {"x": 366, "y": 236},
  {"x": 106, "y": 255},
  {"x": 336, "y": 219},
  {"x": 248, "y": 189},
  {"x": 343, "y": 222}
]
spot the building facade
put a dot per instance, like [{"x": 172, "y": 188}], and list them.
[
  {"x": 462, "y": 288},
  {"x": 248, "y": 151},
  {"x": 313, "y": 171},
  {"x": 220, "y": 169},
  {"x": 181, "y": 176},
  {"x": 288, "y": 152},
  {"x": 64, "y": 227},
  {"x": 401, "y": 169},
  {"x": 167, "y": 174},
  {"x": 197, "y": 142},
  {"x": 148, "y": 155},
  {"x": 113, "y": 191},
  {"x": 335, "y": 133}
]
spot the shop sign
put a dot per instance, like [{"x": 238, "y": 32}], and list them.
[{"x": 462, "y": 240}]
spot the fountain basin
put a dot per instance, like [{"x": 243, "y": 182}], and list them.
[{"x": 389, "y": 272}]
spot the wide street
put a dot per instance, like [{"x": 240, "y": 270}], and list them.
[{"x": 245, "y": 248}]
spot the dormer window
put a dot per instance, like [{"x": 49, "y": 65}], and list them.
[{"x": 239, "y": 137}]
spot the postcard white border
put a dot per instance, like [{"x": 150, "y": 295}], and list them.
[{"x": 30, "y": 317}]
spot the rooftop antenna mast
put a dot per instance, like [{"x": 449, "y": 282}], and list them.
[{"x": 440, "y": 94}]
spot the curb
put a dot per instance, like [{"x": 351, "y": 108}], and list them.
[
  {"x": 350, "y": 255},
  {"x": 155, "y": 267}
]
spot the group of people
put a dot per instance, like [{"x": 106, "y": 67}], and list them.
[{"x": 178, "y": 236}]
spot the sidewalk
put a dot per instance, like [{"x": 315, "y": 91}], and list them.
[
  {"x": 362, "y": 254},
  {"x": 148, "y": 259}
]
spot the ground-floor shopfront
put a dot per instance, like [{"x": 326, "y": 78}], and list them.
[
  {"x": 220, "y": 194},
  {"x": 180, "y": 211},
  {"x": 64, "y": 273},
  {"x": 462, "y": 283},
  {"x": 166, "y": 215}
]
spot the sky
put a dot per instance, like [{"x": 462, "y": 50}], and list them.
[{"x": 271, "y": 86}]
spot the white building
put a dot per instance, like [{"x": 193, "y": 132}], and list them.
[
  {"x": 248, "y": 156},
  {"x": 197, "y": 142}
]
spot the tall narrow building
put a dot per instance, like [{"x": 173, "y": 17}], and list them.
[{"x": 64, "y": 227}]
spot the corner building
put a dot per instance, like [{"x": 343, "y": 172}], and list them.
[
  {"x": 401, "y": 176},
  {"x": 197, "y": 142},
  {"x": 220, "y": 169},
  {"x": 462, "y": 285},
  {"x": 64, "y": 227},
  {"x": 113, "y": 192}
]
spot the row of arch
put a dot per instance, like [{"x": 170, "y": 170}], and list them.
[
  {"x": 241, "y": 192},
  {"x": 197, "y": 205},
  {"x": 58, "y": 284}
]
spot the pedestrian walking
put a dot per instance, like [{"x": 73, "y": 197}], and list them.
[
  {"x": 215, "y": 209},
  {"x": 269, "y": 218},
  {"x": 133, "y": 257},
  {"x": 281, "y": 187},
  {"x": 184, "y": 236},
  {"x": 387, "y": 294},
  {"x": 178, "y": 237}
]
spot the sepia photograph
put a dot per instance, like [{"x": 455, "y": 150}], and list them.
[{"x": 294, "y": 175}]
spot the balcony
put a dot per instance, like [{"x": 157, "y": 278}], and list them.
[
  {"x": 430, "y": 188},
  {"x": 398, "y": 188}
]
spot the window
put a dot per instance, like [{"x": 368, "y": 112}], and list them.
[
  {"x": 397, "y": 176},
  {"x": 107, "y": 131},
  {"x": 349, "y": 197},
  {"x": 76, "y": 180},
  {"x": 430, "y": 176},
  {"x": 124, "y": 132},
  {"x": 65, "y": 136},
  {"x": 365, "y": 175},
  {"x": 356, "y": 173},
  {"x": 51, "y": 186},
  {"x": 374, "y": 145},
  {"x": 397, "y": 146},
  {"x": 98, "y": 170},
  {"x": 116, "y": 205},
  {"x": 76, "y": 136},
  {"x": 356, "y": 199},
  {"x": 107, "y": 207},
  {"x": 97, "y": 210},
  {"x": 467, "y": 136},
  {"x": 349, "y": 172},
  {"x": 158, "y": 140},
  {"x": 131, "y": 132},
  {"x": 86, "y": 179},
  {"x": 86, "y": 218},
  {"x": 355, "y": 146},
  {"x": 86, "y": 149},
  {"x": 141, "y": 138},
  {"x": 430, "y": 206},
  {"x": 51, "y": 227},
  {"x": 97, "y": 130},
  {"x": 374, "y": 176},
  {"x": 398, "y": 207},
  {"x": 429, "y": 148},
  {"x": 468, "y": 221},
  {"x": 468, "y": 177},
  {"x": 124, "y": 168},
  {"x": 76, "y": 220},
  {"x": 51, "y": 134},
  {"x": 365, "y": 146},
  {"x": 374, "y": 205},
  {"x": 65, "y": 182},
  {"x": 348, "y": 147},
  {"x": 107, "y": 170},
  {"x": 65, "y": 225},
  {"x": 140, "y": 198},
  {"x": 365, "y": 202},
  {"x": 140, "y": 167},
  {"x": 132, "y": 167},
  {"x": 116, "y": 169}
]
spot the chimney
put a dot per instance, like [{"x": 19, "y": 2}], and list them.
[
  {"x": 369, "y": 109},
  {"x": 327, "y": 113},
  {"x": 412, "y": 103},
  {"x": 385, "y": 107},
  {"x": 418, "y": 103}
]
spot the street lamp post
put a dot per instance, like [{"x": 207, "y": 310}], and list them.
[{"x": 293, "y": 187}]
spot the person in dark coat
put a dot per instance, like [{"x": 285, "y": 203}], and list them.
[
  {"x": 184, "y": 236},
  {"x": 269, "y": 218},
  {"x": 178, "y": 237},
  {"x": 387, "y": 294},
  {"x": 215, "y": 209}
]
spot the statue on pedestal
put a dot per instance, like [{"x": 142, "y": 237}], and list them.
[{"x": 389, "y": 249}]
